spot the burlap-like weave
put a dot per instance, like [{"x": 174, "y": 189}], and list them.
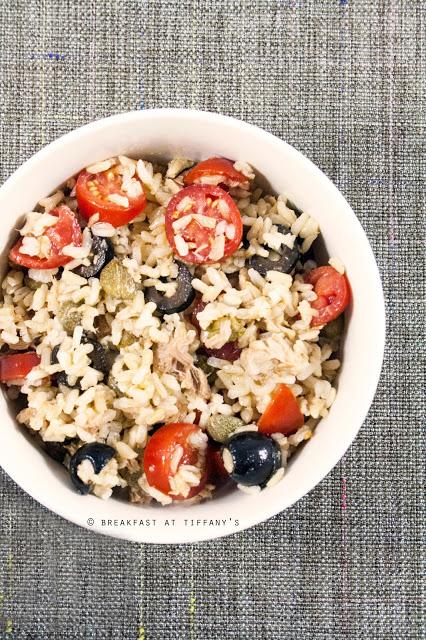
[{"x": 344, "y": 82}]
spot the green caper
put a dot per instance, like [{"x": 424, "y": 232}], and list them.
[
  {"x": 112, "y": 383},
  {"x": 116, "y": 281},
  {"x": 102, "y": 327},
  {"x": 131, "y": 476},
  {"x": 333, "y": 329},
  {"x": 127, "y": 339},
  {"x": 237, "y": 328},
  {"x": 204, "y": 366},
  {"x": 220, "y": 428},
  {"x": 32, "y": 284},
  {"x": 70, "y": 317}
]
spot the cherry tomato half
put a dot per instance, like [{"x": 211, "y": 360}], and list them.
[
  {"x": 159, "y": 453},
  {"x": 219, "y": 474},
  {"x": 66, "y": 231},
  {"x": 333, "y": 291},
  {"x": 93, "y": 191},
  {"x": 192, "y": 224},
  {"x": 221, "y": 167},
  {"x": 282, "y": 415},
  {"x": 16, "y": 366}
]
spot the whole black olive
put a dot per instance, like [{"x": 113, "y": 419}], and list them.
[
  {"x": 285, "y": 263},
  {"x": 98, "y": 454},
  {"x": 251, "y": 458},
  {"x": 180, "y": 300},
  {"x": 103, "y": 252}
]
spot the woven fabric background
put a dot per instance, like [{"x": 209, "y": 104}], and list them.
[{"x": 344, "y": 82}]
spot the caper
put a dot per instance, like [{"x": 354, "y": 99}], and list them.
[
  {"x": 70, "y": 316},
  {"x": 131, "y": 477},
  {"x": 127, "y": 339},
  {"x": 116, "y": 281},
  {"x": 237, "y": 328},
  {"x": 32, "y": 284},
  {"x": 102, "y": 327},
  {"x": 220, "y": 427},
  {"x": 112, "y": 383},
  {"x": 204, "y": 366},
  {"x": 333, "y": 329}
]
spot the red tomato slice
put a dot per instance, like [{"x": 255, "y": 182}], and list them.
[
  {"x": 333, "y": 291},
  {"x": 282, "y": 415},
  {"x": 212, "y": 203},
  {"x": 159, "y": 452},
  {"x": 230, "y": 351},
  {"x": 218, "y": 472},
  {"x": 92, "y": 191},
  {"x": 16, "y": 366},
  {"x": 221, "y": 167},
  {"x": 66, "y": 231}
]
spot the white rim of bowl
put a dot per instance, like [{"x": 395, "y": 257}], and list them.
[{"x": 375, "y": 360}]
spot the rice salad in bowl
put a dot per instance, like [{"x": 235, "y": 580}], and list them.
[{"x": 166, "y": 330}]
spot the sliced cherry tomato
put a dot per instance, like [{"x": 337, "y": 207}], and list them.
[
  {"x": 93, "y": 191},
  {"x": 218, "y": 472},
  {"x": 229, "y": 351},
  {"x": 159, "y": 453},
  {"x": 282, "y": 415},
  {"x": 16, "y": 366},
  {"x": 333, "y": 291},
  {"x": 203, "y": 207},
  {"x": 221, "y": 168},
  {"x": 66, "y": 231}
]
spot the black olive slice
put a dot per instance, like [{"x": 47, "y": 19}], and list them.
[
  {"x": 180, "y": 300},
  {"x": 101, "y": 358},
  {"x": 61, "y": 377},
  {"x": 103, "y": 252},
  {"x": 285, "y": 263}
]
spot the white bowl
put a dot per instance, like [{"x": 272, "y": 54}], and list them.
[{"x": 165, "y": 133}]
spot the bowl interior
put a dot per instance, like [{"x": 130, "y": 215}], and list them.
[{"x": 160, "y": 135}]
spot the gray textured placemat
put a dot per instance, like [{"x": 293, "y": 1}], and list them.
[{"x": 344, "y": 82}]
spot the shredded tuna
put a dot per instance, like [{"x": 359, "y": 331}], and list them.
[{"x": 175, "y": 358}]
